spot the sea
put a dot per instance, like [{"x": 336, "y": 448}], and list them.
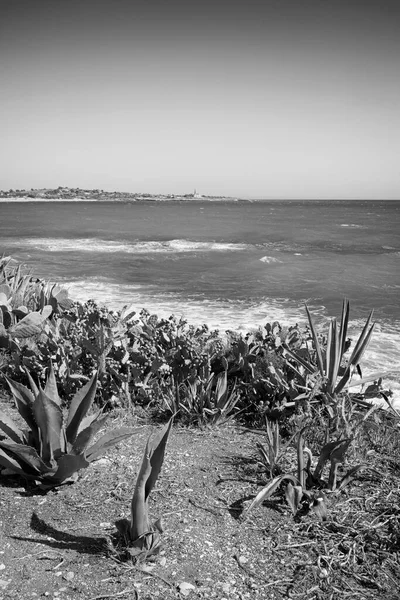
[{"x": 234, "y": 265}]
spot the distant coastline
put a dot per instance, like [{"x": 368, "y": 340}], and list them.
[{"x": 65, "y": 194}]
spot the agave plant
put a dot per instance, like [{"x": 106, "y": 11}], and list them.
[
  {"x": 273, "y": 450},
  {"x": 308, "y": 484},
  {"x": 330, "y": 368},
  {"x": 55, "y": 447},
  {"x": 142, "y": 538}
]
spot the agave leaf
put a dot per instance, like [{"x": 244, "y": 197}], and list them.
[
  {"x": 107, "y": 441},
  {"x": 221, "y": 387},
  {"x": 24, "y": 400},
  {"x": 140, "y": 523},
  {"x": 80, "y": 405},
  {"x": 86, "y": 435},
  {"x": 269, "y": 489},
  {"x": 88, "y": 420},
  {"x": 148, "y": 474},
  {"x": 332, "y": 356},
  {"x": 317, "y": 346},
  {"x": 330, "y": 350},
  {"x": 10, "y": 463},
  {"x": 28, "y": 455},
  {"x": 343, "y": 326},
  {"x": 354, "y": 360},
  {"x": 49, "y": 418},
  {"x": 51, "y": 389},
  {"x": 369, "y": 378},
  {"x": 67, "y": 466},
  {"x": 361, "y": 340},
  {"x": 361, "y": 346},
  {"x": 293, "y": 495},
  {"x": 156, "y": 448},
  {"x": 8, "y": 426},
  {"x": 307, "y": 366},
  {"x": 32, "y": 383}
]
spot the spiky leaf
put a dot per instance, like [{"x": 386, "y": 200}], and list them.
[
  {"x": 51, "y": 389},
  {"x": 85, "y": 436},
  {"x": 27, "y": 454},
  {"x": 48, "y": 416},
  {"x": 67, "y": 466},
  {"x": 107, "y": 441},
  {"x": 269, "y": 489},
  {"x": 8, "y": 426},
  {"x": 9, "y": 462},
  {"x": 24, "y": 400},
  {"x": 80, "y": 406},
  {"x": 140, "y": 523},
  {"x": 317, "y": 346},
  {"x": 156, "y": 449}
]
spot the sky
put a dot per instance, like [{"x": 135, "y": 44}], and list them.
[{"x": 271, "y": 99}]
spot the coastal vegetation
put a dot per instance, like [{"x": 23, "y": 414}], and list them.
[{"x": 73, "y": 367}]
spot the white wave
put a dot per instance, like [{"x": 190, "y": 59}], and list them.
[
  {"x": 270, "y": 259},
  {"x": 109, "y": 246},
  {"x": 352, "y": 225}
]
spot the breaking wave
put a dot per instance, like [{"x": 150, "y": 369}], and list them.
[
  {"x": 270, "y": 259},
  {"x": 135, "y": 247}
]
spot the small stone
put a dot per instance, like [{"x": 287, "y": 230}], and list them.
[
  {"x": 2, "y": 567},
  {"x": 185, "y": 588},
  {"x": 4, "y": 583},
  {"x": 69, "y": 576}
]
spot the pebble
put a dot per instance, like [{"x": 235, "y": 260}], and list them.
[{"x": 185, "y": 588}]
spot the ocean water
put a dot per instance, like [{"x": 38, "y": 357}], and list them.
[{"x": 232, "y": 265}]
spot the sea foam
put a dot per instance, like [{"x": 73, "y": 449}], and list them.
[{"x": 135, "y": 247}]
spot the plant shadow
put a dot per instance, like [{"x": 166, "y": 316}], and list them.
[{"x": 62, "y": 540}]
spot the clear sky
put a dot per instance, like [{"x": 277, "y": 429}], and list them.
[{"x": 273, "y": 99}]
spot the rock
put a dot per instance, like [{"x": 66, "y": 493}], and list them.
[{"x": 185, "y": 588}]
